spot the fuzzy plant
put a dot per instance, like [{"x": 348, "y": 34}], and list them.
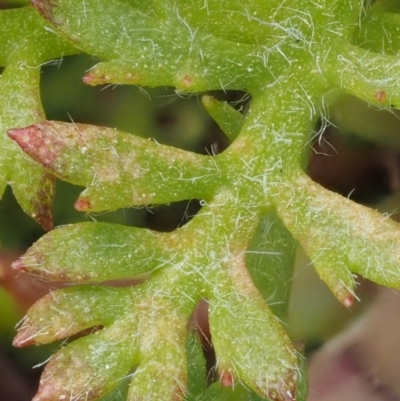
[{"x": 295, "y": 59}]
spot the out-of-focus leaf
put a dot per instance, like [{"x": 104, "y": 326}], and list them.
[
  {"x": 119, "y": 393},
  {"x": 270, "y": 260},
  {"x": 196, "y": 366},
  {"x": 238, "y": 392}
]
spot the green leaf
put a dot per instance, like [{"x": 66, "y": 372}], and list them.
[
  {"x": 32, "y": 186},
  {"x": 119, "y": 393},
  {"x": 239, "y": 392},
  {"x": 253, "y": 23},
  {"x": 295, "y": 59},
  {"x": 91, "y": 366},
  {"x": 25, "y": 45},
  {"x": 100, "y": 251},
  {"x": 238, "y": 315},
  {"x": 229, "y": 120},
  {"x": 379, "y": 32},
  {"x": 270, "y": 260},
  {"x": 369, "y": 76},
  {"x": 143, "y": 330},
  {"x": 341, "y": 237},
  {"x": 141, "y": 49},
  {"x": 69, "y": 311},
  {"x": 196, "y": 366},
  {"x": 118, "y": 169}
]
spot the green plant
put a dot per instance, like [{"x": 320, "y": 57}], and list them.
[{"x": 295, "y": 59}]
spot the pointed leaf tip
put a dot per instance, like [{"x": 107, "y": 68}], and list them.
[
  {"x": 348, "y": 301},
  {"x": 88, "y": 79},
  {"x": 39, "y": 142},
  {"x": 23, "y": 339},
  {"x": 226, "y": 378},
  {"x": 93, "y": 78},
  {"x": 83, "y": 204},
  {"x": 18, "y": 265}
]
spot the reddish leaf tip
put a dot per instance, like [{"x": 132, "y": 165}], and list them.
[
  {"x": 23, "y": 339},
  {"x": 18, "y": 265},
  {"x": 31, "y": 141},
  {"x": 95, "y": 79},
  {"x": 348, "y": 301},
  {"x": 40, "y": 142},
  {"x": 25, "y": 137},
  {"x": 88, "y": 79},
  {"x": 47, "y": 391},
  {"x": 227, "y": 379},
  {"x": 83, "y": 204},
  {"x": 45, "y": 219},
  {"x": 15, "y": 133}
]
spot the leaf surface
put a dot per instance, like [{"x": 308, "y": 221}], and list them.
[
  {"x": 118, "y": 169},
  {"x": 25, "y": 45}
]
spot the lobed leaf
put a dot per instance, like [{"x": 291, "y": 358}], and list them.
[
  {"x": 142, "y": 49},
  {"x": 285, "y": 65},
  {"x": 93, "y": 252},
  {"x": 118, "y": 169},
  {"x": 238, "y": 316},
  {"x": 229, "y": 120},
  {"x": 65, "y": 312},
  {"x": 144, "y": 330},
  {"x": 32, "y": 186},
  {"x": 91, "y": 366},
  {"x": 341, "y": 237},
  {"x": 371, "y": 77},
  {"x": 25, "y": 45}
]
